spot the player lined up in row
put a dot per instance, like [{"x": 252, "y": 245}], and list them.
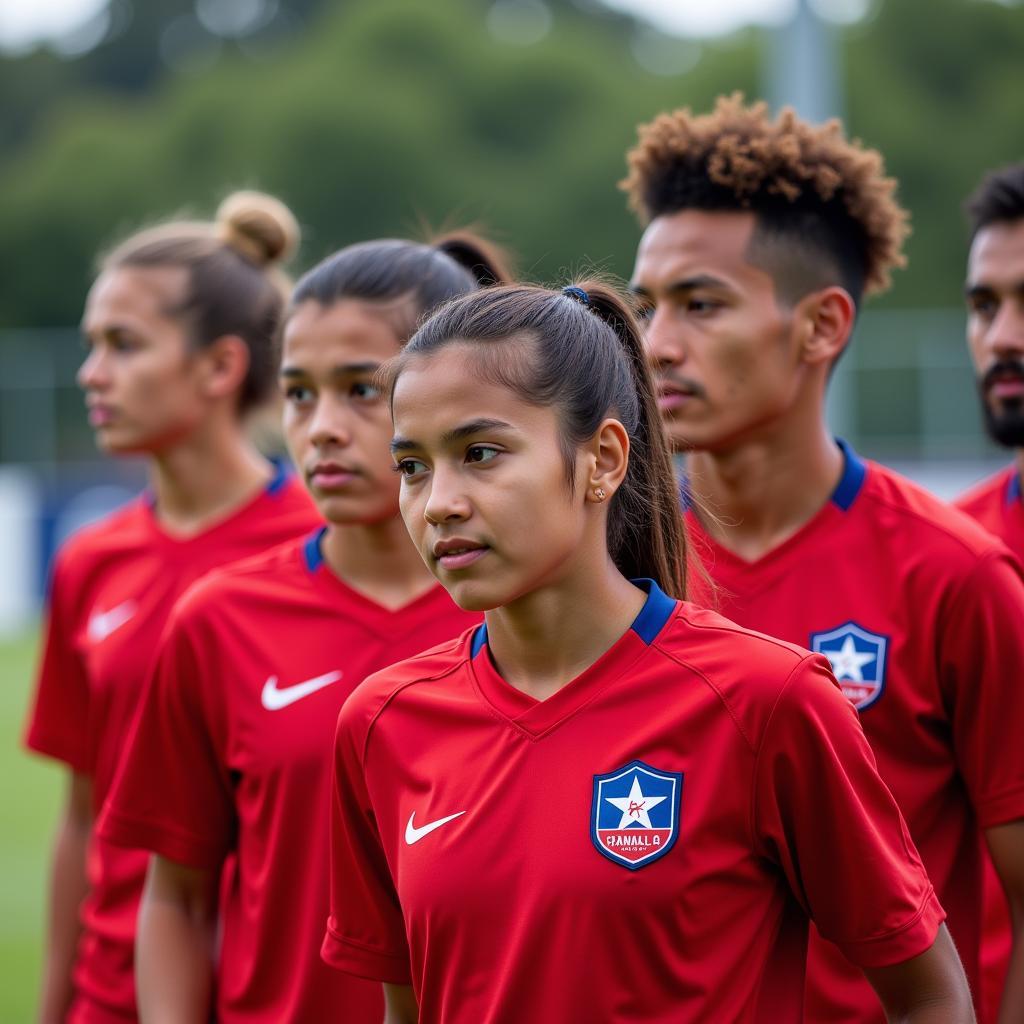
[{"x": 541, "y": 731}]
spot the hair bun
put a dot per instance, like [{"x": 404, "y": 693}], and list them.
[{"x": 258, "y": 226}]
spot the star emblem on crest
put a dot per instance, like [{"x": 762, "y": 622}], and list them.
[
  {"x": 636, "y": 806},
  {"x": 848, "y": 662}
]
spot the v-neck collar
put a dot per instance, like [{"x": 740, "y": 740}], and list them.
[
  {"x": 537, "y": 717},
  {"x": 374, "y": 614},
  {"x": 840, "y": 501}
]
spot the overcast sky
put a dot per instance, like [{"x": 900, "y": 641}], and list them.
[{"x": 23, "y": 22}]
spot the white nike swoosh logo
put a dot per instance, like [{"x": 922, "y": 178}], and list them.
[
  {"x": 102, "y": 624},
  {"x": 274, "y": 699},
  {"x": 414, "y": 834}
]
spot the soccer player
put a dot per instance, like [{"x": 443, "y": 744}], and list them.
[
  {"x": 231, "y": 761},
  {"x": 604, "y": 804},
  {"x": 762, "y": 236},
  {"x": 179, "y": 327},
  {"x": 995, "y": 335}
]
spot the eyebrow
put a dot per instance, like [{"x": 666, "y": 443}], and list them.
[
  {"x": 342, "y": 370},
  {"x": 459, "y": 433},
  {"x": 973, "y": 291},
  {"x": 686, "y": 284}
]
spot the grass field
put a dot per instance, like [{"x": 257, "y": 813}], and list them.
[{"x": 30, "y": 790}]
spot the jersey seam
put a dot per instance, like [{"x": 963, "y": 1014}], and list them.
[
  {"x": 978, "y": 550},
  {"x": 117, "y": 820},
  {"x": 1015, "y": 790},
  {"x": 401, "y": 687}
]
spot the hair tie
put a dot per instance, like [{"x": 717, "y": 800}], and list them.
[{"x": 576, "y": 293}]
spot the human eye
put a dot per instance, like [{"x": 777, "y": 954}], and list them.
[
  {"x": 982, "y": 305},
  {"x": 481, "y": 453},
  {"x": 410, "y": 467},
  {"x": 364, "y": 390},
  {"x": 298, "y": 394},
  {"x": 701, "y": 305}
]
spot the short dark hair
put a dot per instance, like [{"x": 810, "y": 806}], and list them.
[
  {"x": 825, "y": 209},
  {"x": 999, "y": 198}
]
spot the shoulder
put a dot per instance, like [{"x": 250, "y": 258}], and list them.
[
  {"x": 270, "y": 571},
  {"x": 749, "y": 672},
  {"x": 378, "y": 691},
  {"x": 116, "y": 534},
  {"x": 932, "y": 526},
  {"x": 990, "y": 491}
]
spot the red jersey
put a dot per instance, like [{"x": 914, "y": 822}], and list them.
[
  {"x": 998, "y": 505},
  {"x": 112, "y": 588},
  {"x": 643, "y": 846},
  {"x": 921, "y": 614},
  {"x": 232, "y": 756}
]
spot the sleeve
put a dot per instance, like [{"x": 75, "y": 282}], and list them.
[
  {"x": 823, "y": 814},
  {"x": 365, "y": 929},
  {"x": 173, "y": 793},
  {"x": 981, "y": 650},
  {"x": 58, "y": 723}
]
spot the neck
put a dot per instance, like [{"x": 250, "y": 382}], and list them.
[
  {"x": 545, "y": 639},
  {"x": 763, "y": 491},
  {"x": 1020, "y": 463},
  {"x": 205, "y": 477},
  {"x": 378, "y": 560}
]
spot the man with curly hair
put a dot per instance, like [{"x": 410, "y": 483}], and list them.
[
  {"x": 995, "y": 336},
  {"x": 762, "y": 237}
]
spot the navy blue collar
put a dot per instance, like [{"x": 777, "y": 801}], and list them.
[
  {"x": 647, "y": 625},
  {"x": 311, "y": 550},
  {"x": 1013, "y": 489},
  {"x": 852, "y": 480},
  {"x": 850, "y": 483}
]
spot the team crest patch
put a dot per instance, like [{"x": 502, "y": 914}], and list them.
[
  {"x": 858, "y": 661},
  {"x": 634, "y": 818}
]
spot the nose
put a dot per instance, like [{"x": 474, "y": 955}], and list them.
[
  {"x": 329, "y": 424},
  {"x": 93, "y": 374},
  {"x": 663, "y": 340},
  {"x": 1006, "y": 332},
  {"x": 446, "y": 500}
]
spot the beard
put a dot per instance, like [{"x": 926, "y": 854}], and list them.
[{"x": 1005, "y": 424}]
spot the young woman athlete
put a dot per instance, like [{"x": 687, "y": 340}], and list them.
[
  {"x": 179, "y": 327},
  {"x": 231, "y": 763},
  {"x": 604, "y": 804}
]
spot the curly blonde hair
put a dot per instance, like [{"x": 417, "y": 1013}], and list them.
[{"x": 806, "y": 181}]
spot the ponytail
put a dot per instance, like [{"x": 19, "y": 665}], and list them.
[
  {"x": 580, "y": 352},
  {"x": 488, "y": 263},
  {"x": 646, "y": 537}
]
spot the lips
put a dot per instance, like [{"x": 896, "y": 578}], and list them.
[
  {"x": 1005, "y": 380},
  {"x": 100, "y": 415},
  {"x": 672, "y": 395},
  {"x": 458, "y": 552},
  {"x": 329, "y": 476}
]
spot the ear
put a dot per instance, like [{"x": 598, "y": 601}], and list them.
[
  {"x": 224, "y": 365},
  {"x": 825, "y": 321},
  {"x": 608, "y": 461}
]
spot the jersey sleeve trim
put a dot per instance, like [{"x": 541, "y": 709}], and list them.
[
  {"x": 351, "y": 958},
  {"x": 39, "y": 741},
  {"x": 999, "y": 810},
  {"x": 173, "y": 844},
  {"x": 904, "y": 943}
]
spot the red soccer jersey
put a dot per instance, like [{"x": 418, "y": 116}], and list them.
[
  {"x": 998, "y": 505},
  {"x": 232, "y": 755},
  {"x": 643, "y": 846},
  {"x": 113, "y": 586},
  {"x": 921, "y": 614}
]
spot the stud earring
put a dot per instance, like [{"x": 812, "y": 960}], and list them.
[{"x": 600, "y": 494}]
